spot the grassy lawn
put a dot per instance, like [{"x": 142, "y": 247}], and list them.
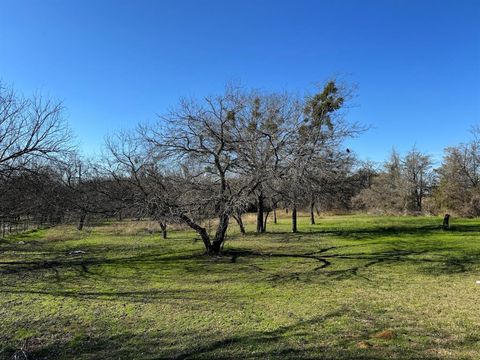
[{"x": 350, "y": 287}]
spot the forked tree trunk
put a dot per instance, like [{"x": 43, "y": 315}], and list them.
[
  {"x": 222, "y": 227},
  {"x": 312, "y": 215},
  {"x": 274, "y": 215},
  {"x": 212, "y": 247},
  {"x": 265, "y": 222},
  {"x": 199, "y": 229},
  {"x": 294, "y": 219},
  {"x": 238, "y": 219},
  {"x": 260, "y": 209},
  {"x": 163, "y": 226}
]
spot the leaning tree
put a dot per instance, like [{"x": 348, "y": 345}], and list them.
[{"x": 199, "y": 163}]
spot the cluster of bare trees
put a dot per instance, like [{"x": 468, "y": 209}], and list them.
[
  {"x": 400, "y": 186},
  {"x": 33, "y": 134},
  {"x": 219, "y": 157},
  {"x": 207, "y": 162},
  {"x": 411, "y": 184},
  {"x": 40, "y": 174},
  {"x": 459, "y": 178}
]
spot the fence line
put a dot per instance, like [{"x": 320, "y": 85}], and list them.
[{"x": 17, "y": 225}]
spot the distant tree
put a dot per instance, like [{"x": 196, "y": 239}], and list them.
[
  {"x": 459, "y": 185},
  {"x": 401, "y": 186},
  {"x": 145, "y": 181},
  {"x": 386, "y": 192},
  {"x": 418, "y": 179},
  {"x": 85, "y": 190},
  {"x": 35, "y": 195}
]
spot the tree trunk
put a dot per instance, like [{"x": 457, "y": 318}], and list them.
[
  {"x": 199, "y": 229},
  {"x": 220, "y": 234},
  {"x": 274, "y": 215},
  {"x": 260, "y": 209},
  {"x": 238, "y": 219},
  {"x": 446, "y": 219},
  {"x": 215, "y": 248},
  {"x": 163, "y": 226},
  {"x": 265, "y": 222},
  {"x": 294, "y": 219},
  {"x": 312, "y": 215},
  {"x": 81, "y": 222}
]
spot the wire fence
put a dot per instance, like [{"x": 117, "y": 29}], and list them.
[{"x": 9, "y": 226}]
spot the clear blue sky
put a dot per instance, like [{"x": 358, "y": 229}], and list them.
[{"x": 115, "y": 63}]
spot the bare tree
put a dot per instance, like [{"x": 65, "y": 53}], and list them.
[
  {"x": 86, "y": 190},
  {"x": 31, "y": 130},
  {"x": 459, "y": 186},
  {"x": 418, "y": 178},
  {"x": 318, "y": 136},
  {"x": 263, "y": 130},
  {"x": 140, "y": 176},
  {"x": 197, "y": 140},
  {"x": 401, "y": 186},
  {"x": 328, "y": 180}
]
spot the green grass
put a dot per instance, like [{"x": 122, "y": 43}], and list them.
[{"x": 327, "y": 292}]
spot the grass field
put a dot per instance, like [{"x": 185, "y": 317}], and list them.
[{"x": 350, "y": 287}]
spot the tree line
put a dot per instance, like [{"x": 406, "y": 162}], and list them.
[{"x": 211, "y": 160}]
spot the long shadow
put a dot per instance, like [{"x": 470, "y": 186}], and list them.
[
  {"x": 12, "y": 267},
  {"x": 322, "y": 259},
  {"x": 380, "y": 231},
  {"x": 274, "y": 346},
  {"x": 131, "y": 296},
  {"x": 267, "y": 344},
  {"x": 236, "y": 253},
  {"x": 253, "y": 344},
  {"x": 198, "y": 263},
  {"x": 258, "y": 337},
  {"x": 440, "y": 264}
]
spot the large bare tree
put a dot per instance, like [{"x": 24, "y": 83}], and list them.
[
  {"x": 197, "y": 144},
  {"x": 32, "y": 130}
]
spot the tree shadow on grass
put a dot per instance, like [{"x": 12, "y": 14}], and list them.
[
  {"x": 359, "y": 233},
  {"x": 86, "y": 261},
  {"x": 298, "y": 340},
  {"x": 323, "y": 260},
  {"x": 454, "y": 264},
  {"x": 428, "y": 261},
  {"x": 333, "y": 262},
  {"x": 314, "y": 264},
  {"x": 130, "y": 296}
]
